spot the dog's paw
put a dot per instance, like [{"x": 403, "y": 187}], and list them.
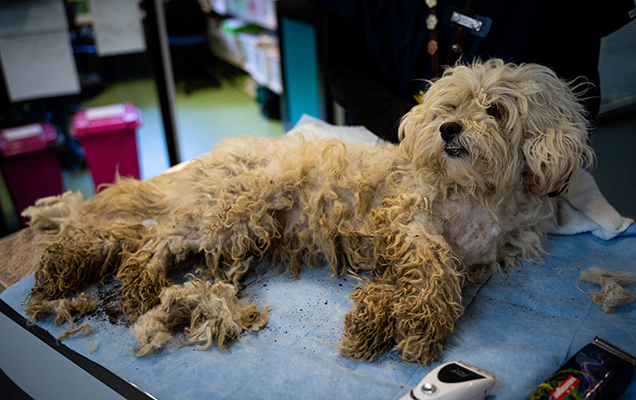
[
  {"x": 53, "y": 214},
  {"x": 369, "y": 326},
  {"x": 141, "y": 286},
  {"x": 422, "y": 324},
  {"x": 141, "y": 293}
]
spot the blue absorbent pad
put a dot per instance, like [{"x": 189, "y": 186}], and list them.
[{"x": 520, "y": 326}]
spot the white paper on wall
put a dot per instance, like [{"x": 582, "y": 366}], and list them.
[
  {"x": 38, "y": 65},
  {"x": 35, "y": 50},
  {"x": 117, "y": 27},
  {"x": 22, "y": 17}
]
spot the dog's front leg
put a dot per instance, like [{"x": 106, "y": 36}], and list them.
[
  {"x": 424, "y": 314},
  {"x": 369, "y": 327},
  {"x": 427, "y": 298},
  {"x": 415, "y": 300}
]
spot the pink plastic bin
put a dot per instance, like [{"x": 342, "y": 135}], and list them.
[
  {"x": 30, "y": 171},
  {"x": 108, "y": 134}
]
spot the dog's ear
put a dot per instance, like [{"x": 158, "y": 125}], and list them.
[{"x": 556, "y": 137}]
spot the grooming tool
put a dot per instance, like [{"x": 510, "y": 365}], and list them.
[
  {"x": 453, "y": 381},
  {"x": 598, "y": 371}
]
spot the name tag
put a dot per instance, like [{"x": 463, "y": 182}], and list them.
[
  {"x": 478, "y": 25},
  {"x": 465, "y": 20}
]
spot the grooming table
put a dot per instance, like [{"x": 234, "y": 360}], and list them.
[{"x": 520, "y": 326}]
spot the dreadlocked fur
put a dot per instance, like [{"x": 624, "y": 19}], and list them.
[{"x": 423, "y": 219}]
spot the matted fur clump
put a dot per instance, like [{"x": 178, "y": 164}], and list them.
[
  {"x": 209, "y": 311},
  {"x": 423, "y": 219},
  {"x": 612, "y": 294}
]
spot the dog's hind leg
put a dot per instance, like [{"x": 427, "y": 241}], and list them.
[
  {"x": 231, "y": 231},
  {"x": 242, "y": 224},
  {"x": 232, "y": 245},
  {"x": 144, "y": 273},
  {"x": 234, "y": 232},
  {"x": 80, "y": 257},
  {"x": 232, "y": 223},
  {"x": 96, "y": 238}
]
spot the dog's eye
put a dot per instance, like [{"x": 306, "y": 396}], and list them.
[{"x": 493, "y": 111}]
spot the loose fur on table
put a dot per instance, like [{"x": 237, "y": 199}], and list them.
[
  {"x": 612, "y": 294},
  {"x": 423, "y": 219}
]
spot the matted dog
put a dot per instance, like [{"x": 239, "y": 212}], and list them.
[{"x": 423, "y": 219}]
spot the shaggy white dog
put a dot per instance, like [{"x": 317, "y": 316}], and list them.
[{"x": 424, "y": 218}]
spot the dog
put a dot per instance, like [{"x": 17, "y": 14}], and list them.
[{"x": 415, "y": 223}]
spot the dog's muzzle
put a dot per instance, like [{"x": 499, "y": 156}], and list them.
[{"x": 449, "y": 132}]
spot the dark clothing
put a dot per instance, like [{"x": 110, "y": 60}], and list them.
[
  {"x": 377, "y": 49},
  {"x": 185, "y": 18}
]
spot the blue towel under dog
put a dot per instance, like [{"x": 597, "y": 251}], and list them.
[{"x": 519, "y": 326}]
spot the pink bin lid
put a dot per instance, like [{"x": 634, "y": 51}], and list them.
[
  {"x": 26, "y": 139},
  {"x": 105, "y": 119}
]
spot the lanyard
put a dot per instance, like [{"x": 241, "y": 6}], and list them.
[{"x": 464, "y": 21}]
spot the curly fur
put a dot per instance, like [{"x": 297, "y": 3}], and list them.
[
  {"x": 210, "y": 310},
  {"x": 422, "y": 221}
]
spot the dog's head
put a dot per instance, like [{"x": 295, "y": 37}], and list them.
[{"x": 480, "y": 126}]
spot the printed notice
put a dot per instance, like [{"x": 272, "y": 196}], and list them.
[
  {"x": 35, "y": 50},
  {"x": 22, "y": 17},
  {"x": 38, "y": 65},
  {"x": 117, "y": 27}
]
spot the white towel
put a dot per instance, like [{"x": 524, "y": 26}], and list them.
[
  {"x": 314, "y": 128},
  {"x": 584, "y": 209}
]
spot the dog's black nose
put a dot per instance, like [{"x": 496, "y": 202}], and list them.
[{"x": 449, "y": 130}]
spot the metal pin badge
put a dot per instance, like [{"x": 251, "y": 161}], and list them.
[
  {"x": 431, "y": 22},
  {"x": 432, "y": 47}
]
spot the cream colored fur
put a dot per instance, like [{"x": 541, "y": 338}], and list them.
[{"x": 421, "y": 221}]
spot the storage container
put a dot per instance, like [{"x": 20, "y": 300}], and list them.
[
  {"x": 30, "y": 169},
  {"x": 109, "y": 137}
]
